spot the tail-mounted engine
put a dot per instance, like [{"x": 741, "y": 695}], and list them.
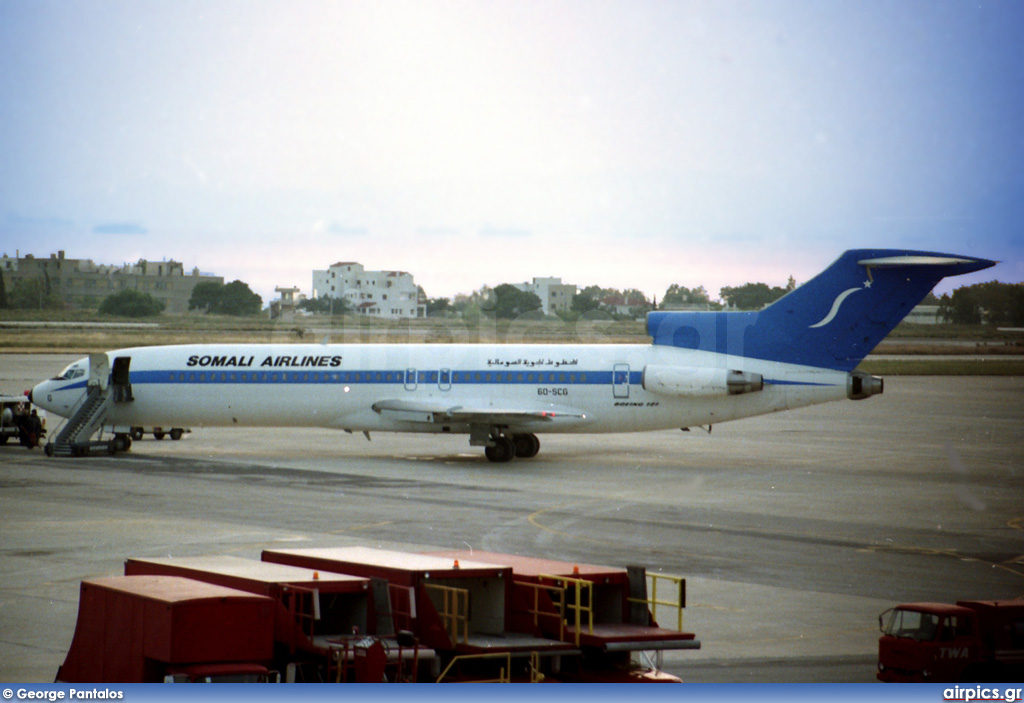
[
  {"x": 683, "y": 381},
  {"x": 860, "y": 385}
]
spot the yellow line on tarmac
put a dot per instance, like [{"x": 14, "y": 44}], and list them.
[{"x": 533, "y": 521}]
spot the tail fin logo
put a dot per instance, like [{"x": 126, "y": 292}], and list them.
[{"x": 837, "y": 303}]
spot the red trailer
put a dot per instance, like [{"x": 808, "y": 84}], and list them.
[
  {"x": 603, "y": 610},
  {"x": 458, "y": 607},
  {"x": 146, "y": 629},
  {"x": 320, "y": 617}
]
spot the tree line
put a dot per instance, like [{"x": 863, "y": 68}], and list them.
[
  {"x": 235, "y": 298},
  {"x": 992, "y": 303},
  {"x": 507, "y": 301}
]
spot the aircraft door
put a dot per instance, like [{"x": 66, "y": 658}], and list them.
[
  {"x": 444, "y": 380},
  {"x": 120, "y": 379},
  {"x": 99, "y": 371},
  {"x": 410, "y": 379},
  {"x": 620, "y": 381}
]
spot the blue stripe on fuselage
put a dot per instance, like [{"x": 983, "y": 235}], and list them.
[{"x": 382, "y": 376}]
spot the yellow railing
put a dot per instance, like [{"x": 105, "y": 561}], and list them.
[
  {"x": 537, "y": 613},
  {"x": 504, "y": 673},
  {"x": 678, "y": 604},
  {"x": 582, "y": 589},
  {"x": 454, "y": 611}
]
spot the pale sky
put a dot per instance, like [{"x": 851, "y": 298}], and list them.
[{"x": 626, "y": 144}]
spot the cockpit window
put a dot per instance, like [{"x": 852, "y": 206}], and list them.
[{"x": 76, "y": 370}]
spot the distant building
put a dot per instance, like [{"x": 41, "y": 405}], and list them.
[
  {"x": 924, "y": 315},
  {"x": 622, "y": 305},
  {"x": 554, "y": 295},
  {"x": 82, "y": 283},
  {"x": 284, "y": 307},
  {"x": 387, "y": 294}
]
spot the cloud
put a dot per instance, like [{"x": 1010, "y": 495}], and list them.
[
  {"x": 120, "y": 228},
  {"x": 16, "y": 220}
]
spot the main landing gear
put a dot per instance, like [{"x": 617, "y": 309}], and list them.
[{"x": 505, "y": 448}]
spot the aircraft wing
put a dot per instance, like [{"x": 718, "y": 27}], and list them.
[{"x": 440, "y": 413}]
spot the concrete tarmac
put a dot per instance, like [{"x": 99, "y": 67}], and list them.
[{"x": 794, "y": 531}]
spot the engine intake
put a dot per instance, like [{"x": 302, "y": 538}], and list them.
[
  {"x": 860, "y": 385},
  {"x": 683, "y": 381}
]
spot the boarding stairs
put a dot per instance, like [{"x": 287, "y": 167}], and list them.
[{"x": 103, "y": 390}]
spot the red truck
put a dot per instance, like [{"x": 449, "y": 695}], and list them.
[
  {"x": 972, "y": 641},
  {"x": 150, "y": 629}
]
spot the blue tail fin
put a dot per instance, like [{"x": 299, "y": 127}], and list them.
[{"x": 832, "y": 321}]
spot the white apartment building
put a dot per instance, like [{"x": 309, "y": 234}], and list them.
[
  {"x": 554, "y": 295},
  {"x": 387, "y": 294}
]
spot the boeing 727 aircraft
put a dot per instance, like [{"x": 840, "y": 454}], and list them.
[{"x": 701, "y": 368}]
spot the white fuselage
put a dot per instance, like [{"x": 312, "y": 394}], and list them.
[{"x": 585, "y": 388}]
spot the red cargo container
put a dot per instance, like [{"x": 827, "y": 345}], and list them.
[
  {"x": 320, "y": 616},
  {"x": 145, "y": 629}
]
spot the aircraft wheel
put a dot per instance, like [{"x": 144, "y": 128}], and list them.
[
  {"x": 136, "y": 433},
  {"x": 158, "y": 435},
  {"x": 504, "y": 450},
  {"x": 176, "y": 433},
  {"x": 527, "y": 445}
]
